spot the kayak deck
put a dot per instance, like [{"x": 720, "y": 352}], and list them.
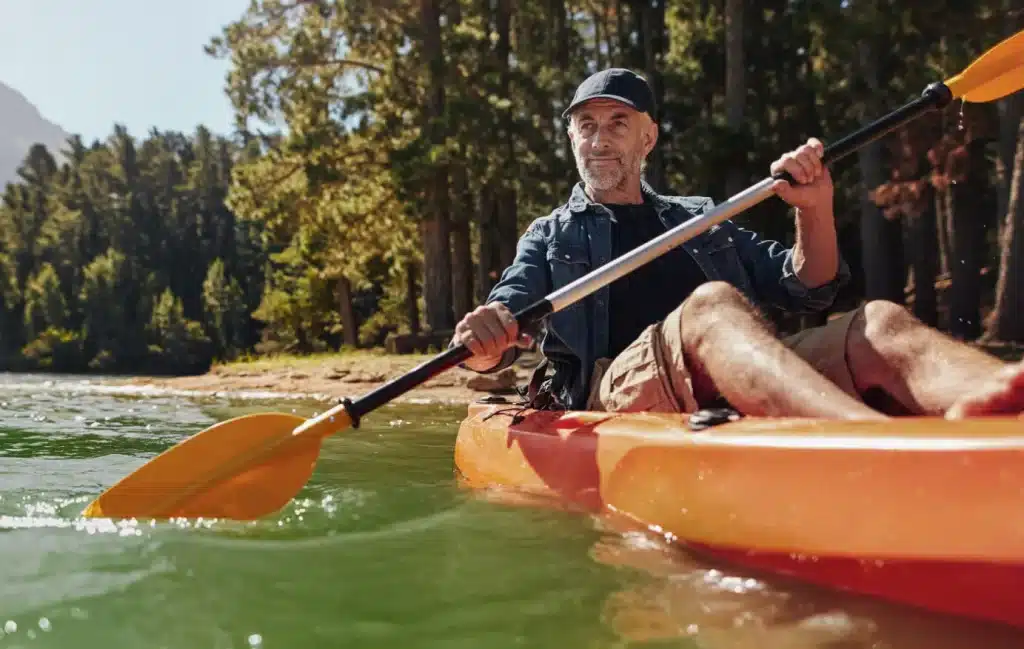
[{"x": 921, "y": 510}]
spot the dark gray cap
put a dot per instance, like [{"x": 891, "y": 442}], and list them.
[{"x": 619, "y": 84}]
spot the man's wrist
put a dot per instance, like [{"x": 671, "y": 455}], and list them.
[{"x": 814, "y": 216}]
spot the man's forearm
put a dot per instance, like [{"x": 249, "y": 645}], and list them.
[{"x": 816, "y": 252}]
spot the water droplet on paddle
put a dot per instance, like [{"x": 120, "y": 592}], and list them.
[{"x": 960, "y": 118}]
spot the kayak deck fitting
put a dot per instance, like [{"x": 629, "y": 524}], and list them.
[{"x": 918, "y": 510}]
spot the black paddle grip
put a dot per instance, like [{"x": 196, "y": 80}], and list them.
[
  {"x": 448, "y": 359},
  {"x": 936, "y": 95}
]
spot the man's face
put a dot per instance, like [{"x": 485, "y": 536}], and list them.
[{"x": 610, "y": 142}]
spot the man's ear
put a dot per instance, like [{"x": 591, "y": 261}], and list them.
[{"x": 650, "y": 136}]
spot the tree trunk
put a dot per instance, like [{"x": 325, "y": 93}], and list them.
[
  {"x": 462, "y": 255},
  {"x": 412, "y": 307},
  {"x": 1006, "y": 322},
  {"x": 598, "y": 58},
  {"x": 881, "y": 239},
  {"x": 970, "y": 211},
  {"x": 923, "y": 238},
  {"x": 708, "y": 100},
  {"x": 349, "y": 326},
  {"x": 942, "y": 229},
  {"x": 735, "y": 90},
  {"x": 509, "y": 232},
  {"x": 488, "y": 259},
  {"x": 652, "y": 20},
  {"x": 506, "y": 198},
  {"x": 621, "y": 33},
  {"x": 564, "y": 90},
  {"x": 437, "y": 271},
  {"x": 1010, "y": 112},
  {"x": 964, "y": 265}
]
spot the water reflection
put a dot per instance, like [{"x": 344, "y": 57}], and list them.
[{"x": 680, "y": 596}]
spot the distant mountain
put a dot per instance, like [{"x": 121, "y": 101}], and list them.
[{"x": 21, "y": 126}]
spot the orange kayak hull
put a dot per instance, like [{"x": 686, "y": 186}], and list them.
[{"x": 922, "y": 511}]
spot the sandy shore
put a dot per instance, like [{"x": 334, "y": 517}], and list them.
[{"x": 331, "y": 378}]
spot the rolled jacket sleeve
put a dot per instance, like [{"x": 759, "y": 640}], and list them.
[
  {"x": 525, "y": 281},
  {"x": 770, "y": 265}
]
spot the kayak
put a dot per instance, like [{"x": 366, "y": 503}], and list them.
[{"x": 916, "y": 510}]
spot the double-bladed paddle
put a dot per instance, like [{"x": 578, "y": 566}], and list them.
[{"x": 251, "y": 466}]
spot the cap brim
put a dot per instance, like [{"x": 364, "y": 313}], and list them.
[{"x": 573, "y": 106}]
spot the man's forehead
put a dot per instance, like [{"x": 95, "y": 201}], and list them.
[{"x": 604, "y": 106}]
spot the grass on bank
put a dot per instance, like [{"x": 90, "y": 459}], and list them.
[{"x": 345, "y": 356}]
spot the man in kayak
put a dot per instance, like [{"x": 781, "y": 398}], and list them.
[{"x": 683, "y": 331}]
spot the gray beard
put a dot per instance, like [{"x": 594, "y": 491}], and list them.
[{"x": 605, "y": 179}]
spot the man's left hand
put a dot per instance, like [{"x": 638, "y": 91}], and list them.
[{"x": 813, "y": 192}]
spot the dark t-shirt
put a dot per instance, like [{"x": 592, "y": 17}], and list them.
[{"x": 651, "y": 292}]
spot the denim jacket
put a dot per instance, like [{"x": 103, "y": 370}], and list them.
[{"x": 576, "y": 238}]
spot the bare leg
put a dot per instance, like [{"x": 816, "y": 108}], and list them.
[
  {"x": 731, "y": 351},
  {"x": 925, "y": 370}
]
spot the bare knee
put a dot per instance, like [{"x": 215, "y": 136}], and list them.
[
  {"x": 712, "y": 297},
  {"x": 882, "y": 322},
  {"x": 714, "y": 305},
  {"x": 878, "y": 344},
  {"x": 711, "y": 320}
]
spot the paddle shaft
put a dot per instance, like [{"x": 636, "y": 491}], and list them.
[{"x": 936, "y": 95}]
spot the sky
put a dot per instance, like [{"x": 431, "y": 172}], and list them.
[{"x": 88, "y": 64}]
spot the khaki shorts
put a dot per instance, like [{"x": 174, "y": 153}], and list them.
[{"x": 651, "y": 376}]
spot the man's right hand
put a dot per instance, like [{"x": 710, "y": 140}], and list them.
[{"x": 488, "y": 331}]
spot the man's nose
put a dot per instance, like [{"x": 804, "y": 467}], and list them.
[{"x": 600, "y": 138}]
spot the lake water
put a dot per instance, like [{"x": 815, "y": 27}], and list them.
[{"x": 381, "y": 549}]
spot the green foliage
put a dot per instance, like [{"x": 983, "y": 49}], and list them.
[
  {"x": 102, "y": 297},
  {"x": 55, "y": 349},
  {"x": 296, "y": 308},
  {"x": 179, "y": 344},
  {"x": 45, "y": 307},
  {"x": 364, "y": 128},
  {"x": 87, "y": 248},
  {"x": 225, "y": 311}
]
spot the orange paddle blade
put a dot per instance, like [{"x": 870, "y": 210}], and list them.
[
  {"x": 241, "y": 469},
  {"x": 995, "y": 74}
]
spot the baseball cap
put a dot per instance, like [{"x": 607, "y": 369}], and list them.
[{"x": 619, "y": 84}]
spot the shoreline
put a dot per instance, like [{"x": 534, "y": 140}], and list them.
[{"x": 333, "y": 377}]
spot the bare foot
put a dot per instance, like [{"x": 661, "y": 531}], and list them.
[{"x": 1002, "y": 395}]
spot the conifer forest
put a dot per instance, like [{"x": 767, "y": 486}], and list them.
[{"x": 386, "y": 156}]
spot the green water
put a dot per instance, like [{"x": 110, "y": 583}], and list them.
[{"x": 382, "y": 549}]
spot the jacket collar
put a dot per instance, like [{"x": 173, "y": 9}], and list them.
[{"x": 579, "y": 202}]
